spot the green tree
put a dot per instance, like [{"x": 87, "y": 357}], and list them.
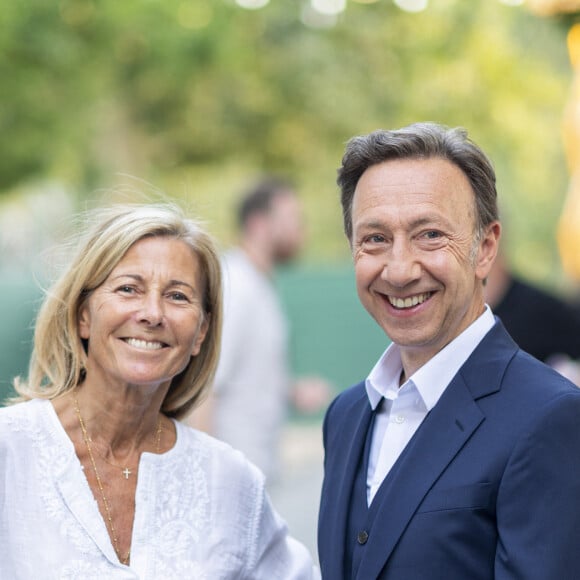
[{"x": 197, "y": 95}]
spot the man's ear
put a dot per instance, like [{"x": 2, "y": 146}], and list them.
[{"x": 487, "y": 250}]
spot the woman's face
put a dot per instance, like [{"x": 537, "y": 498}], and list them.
[{"x": 146, "y": 320}]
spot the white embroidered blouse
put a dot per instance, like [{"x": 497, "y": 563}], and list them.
[{"x": 201, "y": 511}]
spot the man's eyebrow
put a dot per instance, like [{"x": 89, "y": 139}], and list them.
[
  {"x": 418, "y": 222},
  {"x": 371, "y": 225},
  {"x": 427, "y": 221}
]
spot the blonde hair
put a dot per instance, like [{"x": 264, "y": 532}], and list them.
[{"x": 59, "y": 357}]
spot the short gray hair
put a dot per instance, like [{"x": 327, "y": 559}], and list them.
[{"x": 420, "y": 141}]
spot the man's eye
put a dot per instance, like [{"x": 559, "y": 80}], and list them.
[
  {"x": 376, "y": 239},
  {"x": 432, "y": 235}
]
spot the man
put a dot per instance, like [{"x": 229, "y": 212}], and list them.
[
  {"x": 543, "y": 324},
  {"x": 457, "y": 458},
  {"x": 253, "y": 381}
]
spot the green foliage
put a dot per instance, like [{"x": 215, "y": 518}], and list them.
[{"x": 197, "y": 96}]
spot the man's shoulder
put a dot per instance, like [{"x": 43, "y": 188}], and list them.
[
  {"x": 519, "y": 382},
  {"x": 538, "y": 376},
  {"x": 343, "y": 415},
  {"x": 349, "y": 398},
  {"x": 236, "y": 261},
  {"x": 240, "y": 276}
]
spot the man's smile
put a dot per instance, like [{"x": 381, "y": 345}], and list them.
[{"x": 410, "y": 301}]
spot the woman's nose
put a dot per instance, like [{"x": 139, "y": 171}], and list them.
[{"x": 151, "y": 311}]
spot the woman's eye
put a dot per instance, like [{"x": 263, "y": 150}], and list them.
[
  {"x": 178, "y": 296},
  {"x": 126, "y": 289}
]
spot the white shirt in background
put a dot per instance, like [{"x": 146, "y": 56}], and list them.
[{"x": 253, "y": 379}]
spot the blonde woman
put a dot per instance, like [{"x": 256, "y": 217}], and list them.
[{"x": 99, "y": 479}]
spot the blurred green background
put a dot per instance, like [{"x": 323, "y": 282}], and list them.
[{"x": 107, "y": 100}]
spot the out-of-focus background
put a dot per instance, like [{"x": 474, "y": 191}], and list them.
[{"x": 105, "y": 101}]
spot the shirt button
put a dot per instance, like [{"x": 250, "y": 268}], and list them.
[
  {"x": 362, "y": 538},
  {"x": 399, "y": 419}
]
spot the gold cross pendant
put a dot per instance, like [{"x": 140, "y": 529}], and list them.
[{"x": 126, "y": 472}]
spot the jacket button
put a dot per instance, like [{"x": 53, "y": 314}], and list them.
[{"x": 362, "y": 538}]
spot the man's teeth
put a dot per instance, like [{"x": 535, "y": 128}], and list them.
[
  {"x": 409, "y": 302},
  {"x": 144, "y": 344}
]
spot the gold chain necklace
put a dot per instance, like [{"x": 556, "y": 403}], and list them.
[
  {"x": 125, "y": 470},
  {"x": 86, "y": 438}
]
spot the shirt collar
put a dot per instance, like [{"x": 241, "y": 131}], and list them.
[{"x": 432, "y": 378}]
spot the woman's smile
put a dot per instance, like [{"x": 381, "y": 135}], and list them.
[{"x": 144, "y": 344}]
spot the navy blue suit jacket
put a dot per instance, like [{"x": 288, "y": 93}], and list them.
[{"x": 488, "y": 488}]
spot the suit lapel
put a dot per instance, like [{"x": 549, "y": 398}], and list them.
[
  {"x": 340, "y": 473},
  {"x": 443, "y": 433},
  {"x": 441, "y": 436}
]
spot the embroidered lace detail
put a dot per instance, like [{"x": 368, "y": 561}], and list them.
[
  {"x": 83, "y": 570},
  {"x": 182, "y": 513},
  {"x": 52, "y": 458},
  {"x": 199, "y": 508},
  {"x": 181, "y": 570},
  {"x": 253, "y": 527}
]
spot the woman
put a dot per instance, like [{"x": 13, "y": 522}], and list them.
[{"x": 98, "y": 479}]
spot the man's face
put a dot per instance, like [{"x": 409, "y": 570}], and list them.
[
  {"x": 286, "y": 224},
  {"x": 419, "y": 267}
]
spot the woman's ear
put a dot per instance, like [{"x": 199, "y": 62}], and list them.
[
  {"x": 201, "y": 334},
  {"x": 84, "y": 323}
]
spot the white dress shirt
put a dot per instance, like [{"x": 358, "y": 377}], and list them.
[
  {"x": 405, "y": 407},
  {"x": 201, "y": 511}
]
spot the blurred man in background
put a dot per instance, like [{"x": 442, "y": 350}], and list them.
[
  {"x": 541, "y": 323},
  {"x": 253, "y": 385}
]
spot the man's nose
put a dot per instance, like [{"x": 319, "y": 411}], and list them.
[{"x": 401, "y": 266}]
